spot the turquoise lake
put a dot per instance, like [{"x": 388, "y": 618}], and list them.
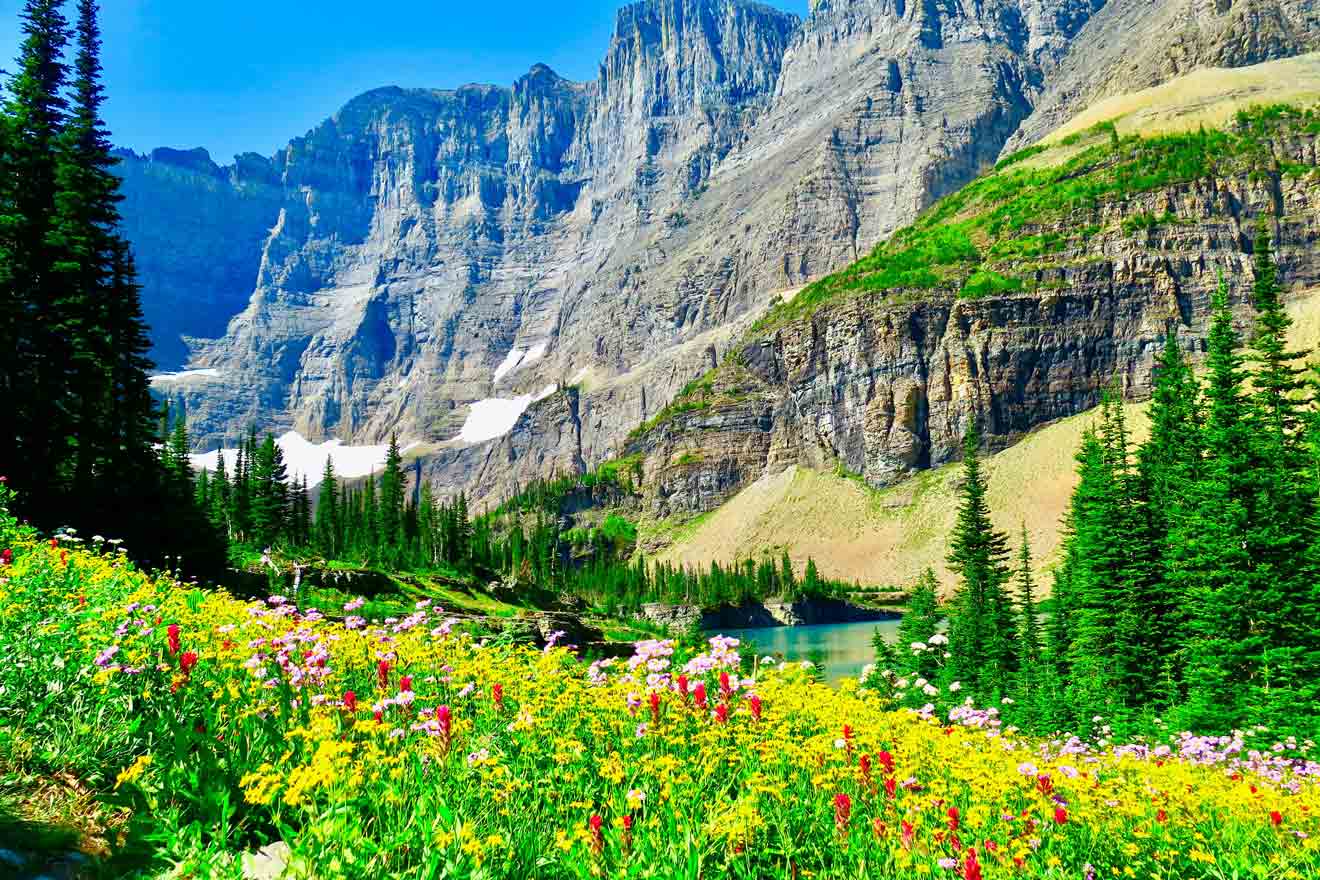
[{"x": 844, "y": 648}]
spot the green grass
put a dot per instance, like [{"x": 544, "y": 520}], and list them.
[{"x": 970, "y": 242}]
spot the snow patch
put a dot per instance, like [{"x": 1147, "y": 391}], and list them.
[
  {"x": 518, "y": 357},
  {"x": 208, "y": 373},
  {"x": 496, "y": 416},
  {"x": 303, "y": 458},
  {"x": 509, "y": 364}
]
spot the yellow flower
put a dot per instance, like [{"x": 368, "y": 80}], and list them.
[{"x": 134, "y": 771}]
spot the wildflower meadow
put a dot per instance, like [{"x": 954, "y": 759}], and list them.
[{"x": 209, "y": 727}]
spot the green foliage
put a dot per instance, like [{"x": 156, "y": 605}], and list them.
[
  {"x": 991, "y": 223},
  {"x": 982, "y": 631},
  {"x": 79, "y": 419},
  {"x": 986, "y": 282}
]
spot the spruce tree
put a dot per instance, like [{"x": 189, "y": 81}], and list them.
[
  {"x": 328, "y": 525},
  {"x": 1210, "y": 560},
  {"x": 982, "y": 631},
  {"x": 39, "y": 324},
  {"x": 920, "y": 621},
  {"x": 391, "y": 497}
]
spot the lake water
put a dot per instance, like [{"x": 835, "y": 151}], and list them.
[{"x": 844, "y": 648}]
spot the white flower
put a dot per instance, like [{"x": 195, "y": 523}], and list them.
[
  {"x": 938, "y": 639},
  {"x": 955, "y": 687},
  {"x": 930, "y": 690},
  {"x": 807, "y": 664},
  {"x": 920, "y": 682},
  {"x": 901, "y": 683},
  {"x": 1007, "y": 701},
  {"x": 767, "y": 661},
  {"x": 917, "y": 647}
]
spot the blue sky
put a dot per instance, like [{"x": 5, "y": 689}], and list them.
[{"x": 249, "y": 74}]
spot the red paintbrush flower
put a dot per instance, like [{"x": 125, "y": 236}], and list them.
[
  {"x": 891, "y": 787},
  {"x": 172, "y": 637},
  {"x": 187, "y": 662},
  {"x": 725, "y": 690},
  {"x": 597, "y": 836},
  {"x": 383, "y": 674},
  {"x": 971, "y": 868},
  {"x": 722, "y": 713},
  {"x": 887, "y": 761},
  {"x": 497, "y": 695},
  {"x": 699, "y": 695},
  {"x": 655, "y": 708},
  {"x": 953, "y": 818},
  {"x": 755, "y": 702},
  {"x": 842, "y": 812},
  {"x": 1060, "y": 815},
  {"x": 1276, "y": 818},
  {"x": 683, "y": 685},
  {"x": 405, "y": 683},
  {"x": 350, "y": 701}
]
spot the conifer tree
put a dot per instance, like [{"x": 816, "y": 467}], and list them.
[
  {"x": 328, "y": 518},
  {"x": 920, "y": 621},
  {"x": 39, "y": 324},
  {"x": 1211, "y": 561},
  {"x": 982, "y": 630},
  {"x": 391, "y": 497}
]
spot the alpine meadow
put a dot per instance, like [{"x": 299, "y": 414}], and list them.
[{"x": 829, "y": 439}]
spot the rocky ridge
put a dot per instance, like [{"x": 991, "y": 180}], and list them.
[{"x": 614, "y": 237}]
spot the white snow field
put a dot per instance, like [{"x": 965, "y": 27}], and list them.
[
  {"x": 305, "y": 458},
  {"x": 518, "y": 357},
  {"x": 208, "y": 373},
  {"x": 496, "y": 416}
]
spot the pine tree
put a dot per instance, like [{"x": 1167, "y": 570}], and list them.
[
  {"x": 38, "y": 322},
  {"x": 328, "y": 518},
  {"x": 1210, "y": 560},
  {"x": 920, "y": 621},
  {"x": 391, "y": 497},
  {"x": 982, "y": 630}
]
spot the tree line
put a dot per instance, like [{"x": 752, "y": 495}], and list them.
[
  {"x": 1189, "y": 583},
  {"x": 78, "y": 446},
  {"x": 525, "y": 543}
]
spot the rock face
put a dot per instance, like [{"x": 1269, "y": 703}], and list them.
[
  {"x": 884, "y": 386},
  {"x": 423, "y": 250}
]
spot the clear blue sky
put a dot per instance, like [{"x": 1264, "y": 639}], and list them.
[{"x": 250, "y": 74}]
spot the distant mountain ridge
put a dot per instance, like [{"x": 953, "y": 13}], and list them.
[{"x": 374, "y": 275}]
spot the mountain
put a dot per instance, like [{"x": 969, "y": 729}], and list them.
[{"x": 432, "y": 262}]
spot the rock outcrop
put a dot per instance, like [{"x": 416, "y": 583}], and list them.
[{"x": 424, "y": 250}]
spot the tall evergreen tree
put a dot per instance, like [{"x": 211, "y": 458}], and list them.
[
  {"x": 40, "y": 324},
  {"x": 982, "y": 630},
  {"x": 328, "y": 518},
  {"x": 391, "y": 496}
]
